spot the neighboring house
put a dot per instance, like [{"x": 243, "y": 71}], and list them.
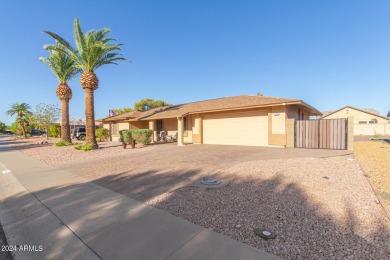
[
  {"x": 74, "y": 122},
  {"x": 239, "y": 120},
  {"x": 366, "y": 121}
]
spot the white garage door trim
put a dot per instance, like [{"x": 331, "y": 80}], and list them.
[{"x": 237, "y": 128}]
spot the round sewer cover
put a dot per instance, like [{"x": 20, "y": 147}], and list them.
[
  {"x": 210, "y": 181},
  {"x": 264, "y": 233}
]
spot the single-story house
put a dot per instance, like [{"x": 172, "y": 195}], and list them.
[
  {"x": 366, "y": 121},
  {"x": 238, "y": 120}
]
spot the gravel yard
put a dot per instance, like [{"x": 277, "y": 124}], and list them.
[
  {"x": 67, "y": 154},
  {"x": 319, "y": 208}
]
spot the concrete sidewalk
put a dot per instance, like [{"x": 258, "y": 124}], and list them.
[{"x": 54, "y": 214}]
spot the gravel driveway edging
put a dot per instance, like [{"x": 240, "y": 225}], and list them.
[{"x": 381, "y": 201}]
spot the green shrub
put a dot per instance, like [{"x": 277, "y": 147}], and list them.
[
  {"x": 62, "y": 143},
  {"x": 54, "y": 132},
  {"x": 143, "y": 136},
  {"x": 121, "y": 135},
  {"x": 126, "y": 136},
  {"x": 83, "y": 147},
  {"x": 103, "y": 134}
]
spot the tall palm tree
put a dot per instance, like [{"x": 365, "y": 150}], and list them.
[
  {"x": 93, "y": 51},
  {"x": 63, "y": 68},
  {"x": 21, "y": 111}
]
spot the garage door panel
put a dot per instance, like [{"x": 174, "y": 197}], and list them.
[{"x": 236, "y": 129}]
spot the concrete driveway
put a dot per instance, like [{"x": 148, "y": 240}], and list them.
[{"x": 167, "y": 167}]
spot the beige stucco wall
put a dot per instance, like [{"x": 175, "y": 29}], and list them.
[
  {"x": 187, "y": 137},
  {"x": 293, "y": 112},
  {"x": 138, "y": 125},
  {"x": 357, "y": 115},
  {"x": 196, "y": 129},
  {"x": 170, "y": 126},
  {"x": 152, "y": 126},
  {"x": 106, "y": 125},
  {"x": 123, "y": 126},
  {"x": 372, "y": 129},
  {"x": 278, "y": 121},
  {"x": 290, "y": 134}
]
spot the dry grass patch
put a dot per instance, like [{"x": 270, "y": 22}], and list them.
[{"x": 375, "y": 157}]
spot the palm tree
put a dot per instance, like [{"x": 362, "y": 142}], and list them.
[
  {"x": 21, "y": 111},
  {"x": 93, "y": 51},
  {"x": 63, "y": 68}
]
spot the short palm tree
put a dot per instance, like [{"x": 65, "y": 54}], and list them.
[
  {"x": 63, "y": 68},
  {"x": 93, "y": 51},
  {"x": 21, "y": 111}
]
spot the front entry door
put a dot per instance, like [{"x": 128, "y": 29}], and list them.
[{"x": 159, "y": 126}]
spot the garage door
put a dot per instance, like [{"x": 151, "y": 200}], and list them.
[{"x": 241, "y": 128}]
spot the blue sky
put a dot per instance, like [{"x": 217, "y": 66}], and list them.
[{"x": 327, "y": 53}]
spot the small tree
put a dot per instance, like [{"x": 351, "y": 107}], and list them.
[
  {"x": 148, "y": 103},
  {"x": 22, "y": 111},
  {"x": 54, "y": 132},
  {"x": 46, "y": 115},
  {"x": 103, "y": 134},
  {"x": 2, "y": 127},
  {"x": 122, "y": 110},
  {"x": 14, "y": 127}
]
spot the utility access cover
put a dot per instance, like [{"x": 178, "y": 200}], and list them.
[{"x": 210, "y": 181}]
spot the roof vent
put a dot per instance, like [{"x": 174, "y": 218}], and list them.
[{"x": 260, "y": 94}]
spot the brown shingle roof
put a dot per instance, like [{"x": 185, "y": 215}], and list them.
[
  {"x": 220, "y": 104},
  {"x": 130, "y": 115}
]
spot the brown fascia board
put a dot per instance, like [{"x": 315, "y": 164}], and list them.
[
  {"x": 317, "y": 113},
  {"x": 115, "y": 118},
  {"x": 357, "y": 110}
]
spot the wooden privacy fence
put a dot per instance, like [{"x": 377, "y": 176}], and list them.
[{"x": 322, "y": 134}]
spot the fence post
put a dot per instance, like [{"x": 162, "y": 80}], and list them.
[{"x": 350, "y": 134}]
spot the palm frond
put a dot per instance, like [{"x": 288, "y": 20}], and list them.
[
  {"x": 61, "y": 40},
  {"x": 60, "y": 62},
  {"x": 79, "y": 36}
]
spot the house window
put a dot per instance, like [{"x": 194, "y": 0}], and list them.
[
  {"x": 373, "y": 121},
  {"x": 362, "y": 122},
  {"x": 114, "y": 128}
]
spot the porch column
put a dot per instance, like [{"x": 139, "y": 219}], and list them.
[
  {"x": 152, "y": 126},
  {"x": 110, "y": 130},
  {"x": 180, "y": 133}
]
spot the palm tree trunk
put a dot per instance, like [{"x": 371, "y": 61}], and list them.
[
  {"x": 65, "y": 127},
  {"x": 90, "y": 118},
  {"x": 23, "y": 130}
]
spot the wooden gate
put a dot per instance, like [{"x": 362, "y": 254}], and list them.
[{"x": 321, "y": 134}]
